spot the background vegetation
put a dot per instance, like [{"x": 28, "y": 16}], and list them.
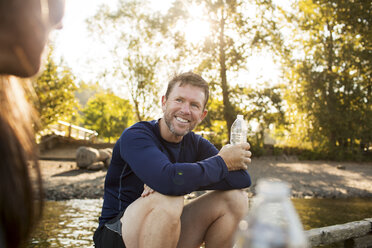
[{"x": 320, "y": 109}]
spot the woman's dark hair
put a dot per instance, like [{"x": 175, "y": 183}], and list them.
[
  {"x": 20, "y": 179},
  {"x": 191, "y": 79}
]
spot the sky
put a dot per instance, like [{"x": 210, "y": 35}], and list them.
[{"x": 86, "y": 56}]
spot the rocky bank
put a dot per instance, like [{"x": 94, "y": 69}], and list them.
[{"x": 64, "y": 180}]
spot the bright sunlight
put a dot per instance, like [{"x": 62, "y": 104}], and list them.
[{"x": 197, "y": 29}]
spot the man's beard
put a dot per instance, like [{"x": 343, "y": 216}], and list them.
[{"x": 173, "y": 130}]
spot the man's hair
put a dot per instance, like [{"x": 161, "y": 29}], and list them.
[{"x": 189, "y": 78}]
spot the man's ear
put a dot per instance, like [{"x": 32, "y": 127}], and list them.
[
  {"x": 204, "y": 114},
  {"x": 163, "y": 101}
]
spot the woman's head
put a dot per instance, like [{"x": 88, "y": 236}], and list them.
[{"x": 24, "y": 29}]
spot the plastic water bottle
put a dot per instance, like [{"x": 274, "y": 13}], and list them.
[
  {"x": 239, "y": 130},
  {"x": 273, "y": 221}
]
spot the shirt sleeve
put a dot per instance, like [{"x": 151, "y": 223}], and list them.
[
  {"x": 138, "y": 148},
  {"x": 234, "y": 180}
]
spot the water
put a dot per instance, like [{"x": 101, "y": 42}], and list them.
[
  {"x": 72, "y": 223},
  {"x": 237, "y": 138},
  {"x": 68, "y": 224}
]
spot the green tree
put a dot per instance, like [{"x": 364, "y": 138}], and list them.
[
  {"x": 108, "y": 114},
  {"x": 264, "y": 107},
  {"x": 330, "y": 92},
  {"x": 86, "y": 90},
  {"x": 140, "y": 50},
  {"x": 234, "y": 36},
  {"x": 55, "y": 89},
  {"x": 135, "y": 52}
]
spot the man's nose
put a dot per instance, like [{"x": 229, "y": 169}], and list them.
[{"x": 185, "y": 108}]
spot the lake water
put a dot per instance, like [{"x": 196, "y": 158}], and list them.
[{"x": 72, "y": 223}]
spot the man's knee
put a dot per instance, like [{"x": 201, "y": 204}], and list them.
[
  {"x": 171, "y": 206},
  {"x": 237, "y": 202}
]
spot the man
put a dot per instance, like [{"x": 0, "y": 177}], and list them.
[{"x": 154, "y": 164}]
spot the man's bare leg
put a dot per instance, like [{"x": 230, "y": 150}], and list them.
[
  {"x": 213, "y": 218},
  {"x": 153, "y": 221}
]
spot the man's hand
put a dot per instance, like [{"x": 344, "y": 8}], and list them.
[
  {"x": 237, "y": 156},
  {"x": 147, "y": 191}
]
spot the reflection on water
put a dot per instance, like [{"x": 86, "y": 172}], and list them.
[
  {"x": 68, "y": 224},
  {"x": 72, "y": 223},
  {"x": 316, "y": 213}
]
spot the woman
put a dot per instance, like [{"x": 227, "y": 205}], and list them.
[{"x": 24, "y": 28}]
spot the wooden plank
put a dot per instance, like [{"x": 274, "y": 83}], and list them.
[
  {"x": 337, "y": 233},
  {"x": 360, "y": 242}
]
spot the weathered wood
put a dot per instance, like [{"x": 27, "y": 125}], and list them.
[
  {"x": 361, "y": 242},
  {"x": 337, "y": 233}
]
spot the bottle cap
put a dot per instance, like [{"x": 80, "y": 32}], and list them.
[{"x": 240, "y": 116}]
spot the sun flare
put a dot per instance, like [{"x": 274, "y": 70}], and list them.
[
  {"x": 196, "y": 31},
  {"x": 197, "y": 28}
]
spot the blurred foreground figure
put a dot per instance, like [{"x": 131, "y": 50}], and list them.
[{"x": 24, "y": 28}]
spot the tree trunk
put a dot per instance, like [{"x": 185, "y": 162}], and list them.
[
  {"x": 331, "y": 100},
  {"x": 227, "y": 108}
]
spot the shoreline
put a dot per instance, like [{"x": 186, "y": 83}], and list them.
[{"x": 308, "y": 179}]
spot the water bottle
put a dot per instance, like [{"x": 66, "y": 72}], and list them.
[
  {"x": 273, "y": 221},
  {"x": 239, "y": 130}
]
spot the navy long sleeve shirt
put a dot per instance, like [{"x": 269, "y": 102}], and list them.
[{"x": 141, "y": 156}]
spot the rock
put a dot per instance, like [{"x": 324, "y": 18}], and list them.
[
  {"x": 104, "y": 154},
  {"x": 341, "y": 167},
  {"x": 107, "y": 162},
  {"x": 96, "y": 166},
  {"x": 86, "y": 156}
]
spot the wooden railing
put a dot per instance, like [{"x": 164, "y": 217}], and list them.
[
  {"x": 353, "y": 234},
  {"x": 69, "y": 130}
]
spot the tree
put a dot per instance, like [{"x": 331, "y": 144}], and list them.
[
  {"x": 140, "y": 50},
  {"x": 135, "y": 52},
  {"x": 108, "y": 114},
  {"x": 330, "y": 89},
  {"x": 87, "y": 90},
  {"x": 55, "y": 94},
  {"x": 265, "y": 110},
  {"x": 234, "y": 35}
]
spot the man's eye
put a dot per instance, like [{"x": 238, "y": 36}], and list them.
[{"x": 178, "y": 100}]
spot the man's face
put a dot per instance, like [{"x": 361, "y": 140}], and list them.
[{"x": 183, "y": 109}]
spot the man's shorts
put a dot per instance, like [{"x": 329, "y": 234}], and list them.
[{"x": 109, "y": 234}]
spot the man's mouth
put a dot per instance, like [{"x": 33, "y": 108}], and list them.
[{"x": 182, "y": 120}]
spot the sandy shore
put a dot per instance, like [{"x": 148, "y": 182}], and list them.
[{"x": 63, "y": 180}]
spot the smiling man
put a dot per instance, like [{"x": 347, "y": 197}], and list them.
[{"x": 154, "y": 164}]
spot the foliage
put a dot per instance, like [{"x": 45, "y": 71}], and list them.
[
  {"x": 55, "y": 94},
  {"x": 108, "y": 114},
  {"x": 330, "y": 93},
  {"x": 87, "y": 90},
  {"x": 221, "y": 55},
  {"x": 261, "y": 108},
  {"x": 213, "y": 126},
  {"x": 323, "y": 111},
  {"x": 135, "y": 51}
]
